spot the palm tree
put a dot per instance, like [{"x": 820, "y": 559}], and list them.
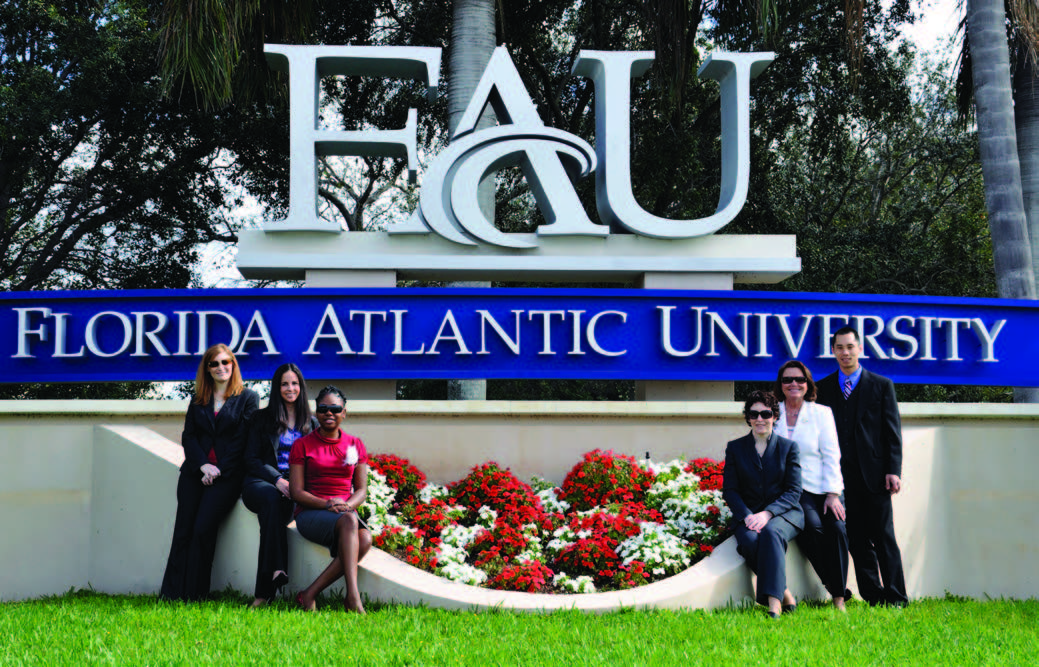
[
  {"x": 997, "y": 138},
  {"x": 204, "y": 43},
  {"x": 473, "y": 38},
  {"x": 1022, "y": 34}
]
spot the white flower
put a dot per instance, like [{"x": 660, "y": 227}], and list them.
[
  {"x": 377, "y": 506},
  {"x": 459, "y": 536},
  {"x": 656, "y": 546},
  {"x": 551, "y": 501},
  {"x": 582, "y": 584},
  {"x": 351, "y": 456},
  {"x": 486, "y": 517},
  {"x": 462, "y": 572},
  {"x": 431, "y": 491}
]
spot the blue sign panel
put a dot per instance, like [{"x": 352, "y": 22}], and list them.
[{"x": 511, "y": 333}]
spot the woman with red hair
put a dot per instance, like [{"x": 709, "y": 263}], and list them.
[{"x": 210, "y": 482}]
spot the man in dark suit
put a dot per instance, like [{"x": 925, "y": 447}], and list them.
[{"x": 869, "y": 432}]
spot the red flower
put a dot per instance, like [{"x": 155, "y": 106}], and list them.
[
  {"x": 530, "y": 577},
  {"x": 612, "y": 482},
  {"x": 505, "y": 541},
  {"x": 593, "y": 557},
  {"x": 399, "y": 473},
  {"x": 429, "y": 518},
  {"x": 631, "y": 575},
  {"x": 709, "y": 471},
  {"x": 491, "y": 486},
  {"x": 602, "y": 478}
]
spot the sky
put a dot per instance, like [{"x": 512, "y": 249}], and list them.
[{"x": 939, "y": 20}]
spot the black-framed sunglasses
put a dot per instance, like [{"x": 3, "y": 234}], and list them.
[
  {"x": 334, "y": 409},
  {"x": 219, "y": 362},
  {"x": 799, "y": 379},
  {"x": 764, "y": 414}
]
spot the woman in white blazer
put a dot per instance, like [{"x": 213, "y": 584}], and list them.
[{"x": 825, "y": 538}]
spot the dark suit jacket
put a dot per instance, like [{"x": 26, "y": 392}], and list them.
[
  {"x": 225, "y": 433},
  {"x": 877, "y": 426},
  {"x": 771, "y": 482},
  {"x": 261, "y": 448}
]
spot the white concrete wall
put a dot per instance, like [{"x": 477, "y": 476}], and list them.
[
  {"x": 89, "y": 497},
  {"x": 45, "y": 508}
]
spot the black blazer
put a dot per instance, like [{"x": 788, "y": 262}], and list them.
[
  {"x": 877, "y": 426},
  {"x": 225, "y": 433},
  {"x": 261, "y": 449},
  {"x": 772, "y": 482}
]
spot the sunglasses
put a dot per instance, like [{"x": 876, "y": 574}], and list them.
[
  {"x": 334, "y": 409},
  {"x": 799, "y": 379},
  {"x": 754, "y": 414},
  {"x": 219, "y": 362}
]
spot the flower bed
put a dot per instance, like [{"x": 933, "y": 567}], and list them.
[{"x": 614, "y": 523}]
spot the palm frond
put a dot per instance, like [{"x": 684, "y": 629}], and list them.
[{"x": 206, "y": 44}]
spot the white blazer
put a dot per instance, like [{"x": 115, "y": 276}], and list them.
[{"x": 816, "y": 436}]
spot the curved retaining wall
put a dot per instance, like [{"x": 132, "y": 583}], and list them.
[{"x": 94, "y": 498}]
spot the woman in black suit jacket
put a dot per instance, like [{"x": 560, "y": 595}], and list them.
[
  {"x": 762, "y": 486},
  {"x": 266, "y": 489},
  {"x": 215, "y": 428}
]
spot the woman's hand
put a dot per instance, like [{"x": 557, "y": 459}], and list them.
[
  {"x": 283, "y": 486},
  {"x": 833, "y": 504},
  {"x": 757, "y": 521},
  {"x": 209, "y": 473},
  {"x": 337, "y": 505}
]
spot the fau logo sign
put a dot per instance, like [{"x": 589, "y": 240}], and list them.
[{"x": 550, "y": 159}]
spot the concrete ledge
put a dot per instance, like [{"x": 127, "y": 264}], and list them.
[
  {"x": 749, "y": 258},
  {"x": 94, "y": 501},
  {"x": 717, "y": 581},
  {"x": 629, "y": 409},
  {"x": 133, "y": 503}
]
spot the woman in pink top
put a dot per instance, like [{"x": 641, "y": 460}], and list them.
[{"x": 328, "y": 479}]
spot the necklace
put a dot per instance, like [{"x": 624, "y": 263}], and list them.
[{"x": 791, "y": 415}]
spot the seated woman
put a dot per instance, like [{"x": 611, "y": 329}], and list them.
[
  {"x": 328, "y": 479},
  {"x": 762, "y": 486},
  {"x": 811, "y": 426},
  {"x": 215, "y": 429},
  {"x": 286, "y": 418}
]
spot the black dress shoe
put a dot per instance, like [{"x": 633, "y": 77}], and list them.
[
  {"x": 773, "y": 614},
  {"x": 789, "y": 608}
]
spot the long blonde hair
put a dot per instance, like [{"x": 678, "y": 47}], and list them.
[{"x": 204, "y": 384}]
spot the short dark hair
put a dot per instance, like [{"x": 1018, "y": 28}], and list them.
[
  {"x": 842, "y": 331},
  {"x": 810, "y": 393},
  {"x": 330, "y": 390},
  {"x": 759, "y": 396}
]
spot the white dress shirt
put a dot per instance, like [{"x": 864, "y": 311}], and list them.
[{"x": 816, "y": 436}]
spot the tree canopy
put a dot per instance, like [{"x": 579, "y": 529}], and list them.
[
  {"x": 103, "y": 182},
  {"x": 107, "y": 183}
]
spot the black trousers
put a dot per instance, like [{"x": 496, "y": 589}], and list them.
[
  {"x": 274, "y": 513},
  {"x": 824, "y": 541},
  {"x": 200, "y": 511},
  {"x": 871, "y": 539},
  {"x": 765, "y": 553}
]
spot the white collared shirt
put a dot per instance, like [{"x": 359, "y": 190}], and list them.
[{"x": 816, "y": 436}]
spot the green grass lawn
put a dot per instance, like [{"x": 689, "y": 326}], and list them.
[{"x": 88, "y": 628}]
